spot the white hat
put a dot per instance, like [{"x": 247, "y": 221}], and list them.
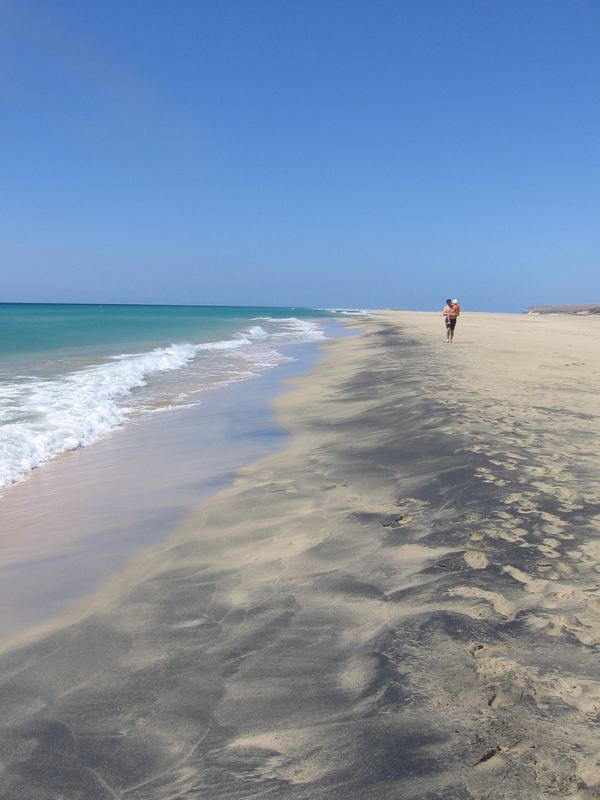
[{"x": 455, "y": 300}]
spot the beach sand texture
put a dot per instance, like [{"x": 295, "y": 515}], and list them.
[{"x": 404, "y": 603}]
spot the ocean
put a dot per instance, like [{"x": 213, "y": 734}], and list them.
[{"x": 71, "y": 374}]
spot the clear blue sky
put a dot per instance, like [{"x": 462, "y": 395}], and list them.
[{"x": 300, "y": 152}]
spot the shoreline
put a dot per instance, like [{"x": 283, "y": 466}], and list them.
[
  {"x": 404, "y": 599},
  {"x": 82, "y": 516}
]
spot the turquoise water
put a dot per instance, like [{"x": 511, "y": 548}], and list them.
[
  {"x": 47, "y": 330},
  {"x": 70, "y": 374}
]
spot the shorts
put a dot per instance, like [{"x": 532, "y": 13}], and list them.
[{"x": 451, "y": 322}]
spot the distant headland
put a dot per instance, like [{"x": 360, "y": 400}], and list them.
[{"x": 581, "y": 310}]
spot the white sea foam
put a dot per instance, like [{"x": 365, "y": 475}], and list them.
[
  {"x": 39, "y": 419},
  {"x": 294, "y": 329},
  {"x": 257, "y": 332},
  {"x": 351, "y": 312}
]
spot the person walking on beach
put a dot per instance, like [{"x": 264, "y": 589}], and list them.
[{"x": 451, "y": 312}]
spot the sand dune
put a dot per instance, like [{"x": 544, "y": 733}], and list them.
[{"x": 402, "y": 604}]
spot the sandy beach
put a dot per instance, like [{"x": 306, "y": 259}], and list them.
[{"x": 403, "y": 603}]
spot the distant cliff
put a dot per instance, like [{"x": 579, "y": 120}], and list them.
[{"x": 581, "y": 310}]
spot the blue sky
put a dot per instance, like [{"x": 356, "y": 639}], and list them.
[{"x": 307, "y": 152}]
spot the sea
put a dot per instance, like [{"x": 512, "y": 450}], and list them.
[
  {"x": 116, "y": 421},
  {"x": 70, "y": 374}
]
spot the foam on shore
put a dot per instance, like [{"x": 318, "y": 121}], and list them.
[{"x": 42, "y": 418}]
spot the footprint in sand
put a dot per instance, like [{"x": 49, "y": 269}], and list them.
[
  {"x": 472, "y": 518},
  {"x": 510, "y": 465},
  {"x": 487, "y": 476},
  {"x": 510, "y": 535},
  {"x": 398, "y": 522},
  {"x": 410, "y": 502},
  {"x": 549, "y": 552},
  {"x": 529, "y": 583},
  {"x": 553, "y": 543},
  {"x": 566, "y": 570},
  {"x": 475, "y": 559},
  {"x": 498, "y": 602}
]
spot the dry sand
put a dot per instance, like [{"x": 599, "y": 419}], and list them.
[{"x": 402, "y": 604}]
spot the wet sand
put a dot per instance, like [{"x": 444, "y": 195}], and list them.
[
  {"x": 404, "y": 603},
  {"x": 81, "y": 517}
]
